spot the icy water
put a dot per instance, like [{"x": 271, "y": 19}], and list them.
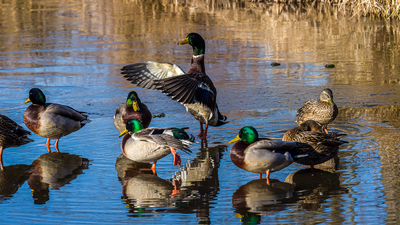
[{"x": 73, "y": 51}]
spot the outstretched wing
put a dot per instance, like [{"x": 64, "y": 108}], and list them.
[
  {"x": 189, "y": 88},
  {"x": 144, "y": 74}
]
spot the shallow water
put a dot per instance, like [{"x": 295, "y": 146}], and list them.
[{"x": 73, "y": 51}]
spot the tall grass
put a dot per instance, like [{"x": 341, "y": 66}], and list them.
[{"x": 388, "y": 9}]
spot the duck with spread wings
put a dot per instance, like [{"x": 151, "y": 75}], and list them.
[{"x": 194, "y": 88}]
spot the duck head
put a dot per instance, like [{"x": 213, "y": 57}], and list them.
[
  {"x": 133, "y": 101},
  {"x": 327, "y": 96},
  {"x": 36, "y": 96},
  {"x": 247, "y": 134},
  {"x": 132, "y": 126},
  {"x": 196, "y": 41}
]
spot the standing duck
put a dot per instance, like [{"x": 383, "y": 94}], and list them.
[
  {"x": 133, "y": 108},
  {"x": 51, "y": 120},
  {"x": 152, "y": 144},
  {"x": 324, "y": 146},
  {"x": 11, "y": 135},
  {"x": 323, "y": 110},
  {"x": 194, "y": 88},
  {"x": 263, "y": 155}
]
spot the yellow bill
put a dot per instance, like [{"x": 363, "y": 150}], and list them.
[
  {"x": 123, "y": 133},
  {"x": 186, "y": 41},
  {"x": 237, "y": 138},
  {"x": 28, "y": 100},
  {"x": 135, "y": 106}
]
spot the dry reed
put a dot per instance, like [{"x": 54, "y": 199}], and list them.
[{"x": 388, "y": 9}]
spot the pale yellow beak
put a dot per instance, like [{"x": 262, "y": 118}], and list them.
[
  {"x": 135, "y": 106},
  {"x": 28, "y": 100},
  {"x": 186, "y": 41},
  {"x": 123, "y": 133},
  {"x": 237, "y": 138},
  {"x": 330, "y": 101}
]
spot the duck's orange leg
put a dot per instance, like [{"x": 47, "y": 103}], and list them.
[
  {"x": 201, "y": 130},
  {"x": 177, "y": 158},
  {"x": 326, "y": 129},
  {"x": 204, "y": 137},
  {"x": 56, "y": 145},
  {"x": 48, "y": 145},
  {"x": 177, "y": 186},
  {"x": 1, "y": 158},
  {"x": 153, "y": 168},
  {"x": 260, "y": 175},
  {"x": 268, "y": 177}
]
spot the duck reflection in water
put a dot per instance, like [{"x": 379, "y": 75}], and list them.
[
  {"x": 189, "y": 190},
  {"x": 313, "y": 186},
  {"x": 11, "y": 178},
  {"x": 54, "y": 170},
  {"x": 141, "y": 188},
  {"x": 200, "y": 182},
  {"x": 258, "y": 197}
]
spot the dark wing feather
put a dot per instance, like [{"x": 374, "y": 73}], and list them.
[
  {"x": 144, "y": 74},
  {"x": 66, "y": 111},
  {"x": 189, "y": 88}
]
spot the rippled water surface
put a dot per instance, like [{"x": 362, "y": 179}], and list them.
[{"x": 73, "y": 51}]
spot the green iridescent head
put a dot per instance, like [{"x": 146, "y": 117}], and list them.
[
  {"x": 36, "y": 96},
  {"x": 133, "y": 101},
  {"x": 132, "y": 126},
  {"x": 247, "y": 134},
  {"x": 196, "y": 41}
]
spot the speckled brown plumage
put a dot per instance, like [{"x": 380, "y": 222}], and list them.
[
  {"x": 11, "y": 135},
  {"x": 323, "y": 146},
  {"x": 323, "y": 110}
]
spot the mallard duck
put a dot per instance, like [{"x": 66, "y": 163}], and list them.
[
  {"x": 50, "y": 120},
  {"x": 11, "y": 135},
  {"x": 323, "y": 110},
  {"x": 132, "y": 109},
  {"x": 194, "y": 88},
  {"x": 152, "y": 144},
  {"x": 324, "y": 146},
  {"x": 263, "y": 155}
]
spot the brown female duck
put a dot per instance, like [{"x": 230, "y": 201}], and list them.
[
  {"x": 133, "y": 108},
  {"x": 194, "y": 88},
  {"x": 323, "y": 110},
  {"x": 11, "y": 135},
  {"x": 323, "y": 146}
]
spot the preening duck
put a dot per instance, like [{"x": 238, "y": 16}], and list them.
[
  {"x": 323, "y": 146},
  {"x": 152, "y": 144}
]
